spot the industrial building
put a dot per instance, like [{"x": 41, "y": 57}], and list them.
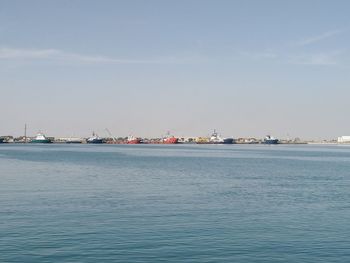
[{"x": 344, "y": 139}]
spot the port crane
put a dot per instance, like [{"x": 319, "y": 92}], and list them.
[{"x": 110, "y": 134}]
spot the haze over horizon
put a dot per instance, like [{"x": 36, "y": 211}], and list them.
[{"x": 245, "y": 68}]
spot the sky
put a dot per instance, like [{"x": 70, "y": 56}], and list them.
[{"x": 143, "y": 68}]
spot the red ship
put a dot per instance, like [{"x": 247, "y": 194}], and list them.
[
  {"x": 170, "y": 139},
  {"x": 133, "y": 140}
]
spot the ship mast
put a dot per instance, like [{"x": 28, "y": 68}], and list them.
[{"x": 25, "y": 133}]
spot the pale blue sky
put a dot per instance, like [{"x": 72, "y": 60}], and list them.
[{"x": 246, "y": 68}]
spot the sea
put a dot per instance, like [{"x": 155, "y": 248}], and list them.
[{"x": 174, "y": 203}]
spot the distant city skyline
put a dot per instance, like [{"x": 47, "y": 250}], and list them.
[{"x": 142, "y": 68}]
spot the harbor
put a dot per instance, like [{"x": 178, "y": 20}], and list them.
[{"x": 214, "y": 138}]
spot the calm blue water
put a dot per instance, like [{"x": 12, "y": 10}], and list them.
[{"x": 197, "y": 203}]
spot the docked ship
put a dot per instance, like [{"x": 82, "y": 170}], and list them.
[
  {"x": 216, "y": 139},
  {"x": 202, "y": 140},
  {"x": 41, "y": 138},
  {"x": 170, "y": 139},
  {"x": 94, "y": 139},
  {"x": 133, "y": 140},
  {"x": 270, "y": 140},
  {"x": 74, "y": 140}
]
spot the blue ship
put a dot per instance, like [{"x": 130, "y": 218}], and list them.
[
  {"x": 95, "y": 139},
  {"x": 270, "y": 140}
]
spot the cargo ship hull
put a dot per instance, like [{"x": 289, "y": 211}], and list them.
[
  {"x": 73, "y": 142},
  {"x": 135, "y": 141},
  {"x": 225, "y": 141},
  {"x": 171, "y": 140},
  {"x": 41, "y": 141},
  {"x": 229, "y": 141},
  {"x": 95, "y": 141},
  {"x": 275, "y": 141}
]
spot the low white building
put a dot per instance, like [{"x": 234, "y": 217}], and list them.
[{"x": 344, "y": 139}]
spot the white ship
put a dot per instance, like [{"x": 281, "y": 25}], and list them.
[
  {"x": 40, "y": 138},
  {"x": 217, "y": 139}
]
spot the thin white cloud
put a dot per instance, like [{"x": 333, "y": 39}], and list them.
[
  {"x": 59, "y": 55},
  {"x": 260, "y": 55},
  {"x": 318, "y": 38},
  {"x": 320, "y": 59}
]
